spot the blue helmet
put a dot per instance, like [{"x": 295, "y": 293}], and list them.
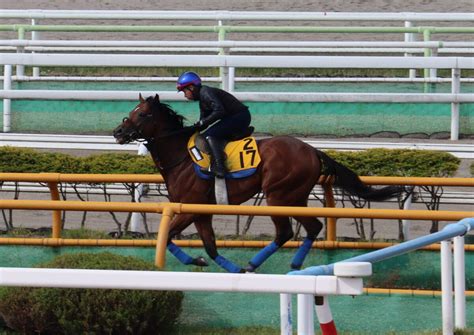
[{"x": 186, "y": 79}]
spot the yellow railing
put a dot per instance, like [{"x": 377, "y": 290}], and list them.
[
  {"x": 170, "y": 209},
  {"x": 53, "y": 179}
]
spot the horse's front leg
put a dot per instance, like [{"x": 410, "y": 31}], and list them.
[
  {"x": 284, "y": 232},
  {"x": 204, "y": 227},
  {"x": 177, "y": 225}
]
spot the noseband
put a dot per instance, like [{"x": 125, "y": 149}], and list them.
[{"x": 135, "y": 134}]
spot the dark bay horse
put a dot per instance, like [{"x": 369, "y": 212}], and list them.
[{"x": 288, "y": 171}]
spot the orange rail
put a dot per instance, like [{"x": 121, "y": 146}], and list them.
[
  {"x": 169, "y": 209},
  {"x": 147, "y": 178},
  {"x": 59, "y": 242},
  {"x": 54, "y": 178}
]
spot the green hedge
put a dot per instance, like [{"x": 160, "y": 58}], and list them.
[
  {"x": 28, "y": 160},
  {"x": 90, "y": 311},
  {"x": 399, "y": 162},
  {"x": 373, "y": 162}
]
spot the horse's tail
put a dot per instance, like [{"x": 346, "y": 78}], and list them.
[{"x": 349, "y": 181}]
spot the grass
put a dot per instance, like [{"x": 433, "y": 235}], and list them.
[{"x": 46, "y": 232}]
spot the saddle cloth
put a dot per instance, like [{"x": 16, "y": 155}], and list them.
[{"x": 242, "y": 157}]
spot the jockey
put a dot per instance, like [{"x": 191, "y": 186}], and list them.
[{"x": 222, "y": 114}]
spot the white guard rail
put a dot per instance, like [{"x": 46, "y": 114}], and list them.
[
  {"x": 186, "y": 281},
  {"x": 232, "y": 47},
  {"x": 453, "y": 232},
  {"x": 348, "y": 282},
  {"x": 218, "y": 15},
  {"x": 229, "y": 63}
]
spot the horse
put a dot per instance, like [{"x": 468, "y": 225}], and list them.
[{"x": 288, "y": 171}]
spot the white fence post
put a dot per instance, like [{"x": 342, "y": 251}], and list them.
[
  {"x": 305, "y": 314},
  {"x": 7, "y": 103},
  {"x": 447, "y": 287},
  {"x": 410, "y": 37},
  {"x": 406, "y": 223},
  {"x": 136, "y": 223},
  {"x": 224, "y": 70},
  {"x": 231, "y": 84},
  {"x": 20, "y": 69},
  {"x": 286, "y": 324},
  {"x": 434, "y": 72},
  {"x": 35, "y": 35},
  {"x": 455, "y": 89},
  {"x": 459, "y": 283}
]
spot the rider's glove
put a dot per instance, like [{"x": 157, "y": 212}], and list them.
[{"x": 199, "y": 125}]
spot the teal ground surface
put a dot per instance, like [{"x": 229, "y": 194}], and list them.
[
  {"x": 367, "y": 314},
  {"x": 338, "y": 119}
]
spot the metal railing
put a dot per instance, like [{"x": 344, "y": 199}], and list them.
[
  {"x": 52, "y": 179},
  {"x": 236, "y": 47},
  {"x": 456, "y": 64},
  {"x": 108, "y": 143},
  {"x": 454, "y": 231},
  {"x": 225, "y": 15},
  {"x": 168, "y": 210}
]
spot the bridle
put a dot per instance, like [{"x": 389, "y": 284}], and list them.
[{"x": 136, "y": 134}]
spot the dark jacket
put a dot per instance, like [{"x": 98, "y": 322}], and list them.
[{"x": 216, "y": 104}]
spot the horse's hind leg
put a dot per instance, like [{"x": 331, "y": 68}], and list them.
[
  {"x": 284, "y": 232},
  {"x": 205, "y": 231},
  {"x": 179, "y": 223},
  {"x": 312, "y": 226}
]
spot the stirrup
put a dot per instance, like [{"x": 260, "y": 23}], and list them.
[{"x": 219, "y": 170}]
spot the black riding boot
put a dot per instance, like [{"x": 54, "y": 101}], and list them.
[{"x": 217, "y": 156}]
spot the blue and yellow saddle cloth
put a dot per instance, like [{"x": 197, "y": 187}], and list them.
[{"x": 242, "y": 158}]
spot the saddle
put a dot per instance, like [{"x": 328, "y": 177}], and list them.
[
  {"x": 242, "y": 157},
  {"x": 203, "y": 146}
]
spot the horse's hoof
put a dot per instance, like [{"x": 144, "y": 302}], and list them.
[
  {"x": 295, "y": 267},
  {"x": 200, "y": 261},
  {"x": 250, "y": 269}
]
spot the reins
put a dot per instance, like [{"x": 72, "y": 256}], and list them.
[{"x": 148, "y": 142}]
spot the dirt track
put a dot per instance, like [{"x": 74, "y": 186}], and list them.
[{"x": 246, "y": 5}]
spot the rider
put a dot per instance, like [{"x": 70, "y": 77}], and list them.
[{"x": 223, "y": 115}]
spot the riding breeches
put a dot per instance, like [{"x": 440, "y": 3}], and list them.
[{"x": 229, "y": 126}]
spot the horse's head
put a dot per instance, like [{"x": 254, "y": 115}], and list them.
[{"x": 148, "y": 119}]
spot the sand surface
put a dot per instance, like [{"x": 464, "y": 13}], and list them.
[{"x": 265, "y": 5}]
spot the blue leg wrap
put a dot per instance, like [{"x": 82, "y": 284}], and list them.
[
  {"x": 263, "y": 254},
  {"x": 303, "y": 250},
  {"x": 227, "y": 265},
  {"x": 179, "y": 254}
]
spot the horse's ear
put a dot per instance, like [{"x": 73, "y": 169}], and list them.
[
  {"x": 157, "y": 98},
  {"x": 141, "y": 98}
]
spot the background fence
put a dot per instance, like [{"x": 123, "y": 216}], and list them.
[{"x": 402, "y": 104}]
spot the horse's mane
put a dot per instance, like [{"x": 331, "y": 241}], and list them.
[{"x": 176, "y": 120}]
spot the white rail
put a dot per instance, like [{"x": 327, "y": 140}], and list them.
[
  {"x": 185, "y": 281},
  {"x": 125, "y": 60},
  {"x": 229, "y": 63},
  {"x": 348, "y": 283},
  {"x": 219, "y": 15},
  {"x": 107, "y": 143},
  {"x": 453, "y": 232},
  {"x": 232, "y": 47}
]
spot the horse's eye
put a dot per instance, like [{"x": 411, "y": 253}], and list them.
[
  {"x": 144, "y": 115},
  {"x": 124, "y": 119}
]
